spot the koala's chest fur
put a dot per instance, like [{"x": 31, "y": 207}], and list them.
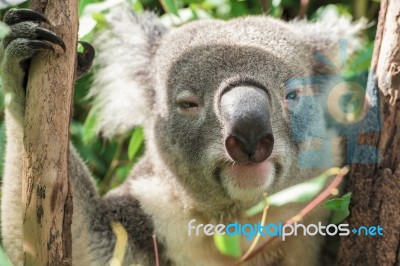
[{"x": 171, "y": 217}]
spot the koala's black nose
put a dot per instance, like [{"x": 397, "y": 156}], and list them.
[{"x": 245, "y": 114}]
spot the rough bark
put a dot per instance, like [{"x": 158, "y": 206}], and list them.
[
  {"x": 376, "y": 187},
  {"x": 45, "y": 187}
]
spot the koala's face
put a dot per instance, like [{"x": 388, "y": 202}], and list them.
[{"x": 224, "y": 110}]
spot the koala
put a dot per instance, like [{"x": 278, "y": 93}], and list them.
[{"x": 229, "y": 110}]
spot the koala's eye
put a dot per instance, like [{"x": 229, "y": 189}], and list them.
[
  {"x": 188, "y": 104},
  {"x": 293, "y": 95}
]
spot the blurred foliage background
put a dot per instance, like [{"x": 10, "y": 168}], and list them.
[{"x": 112, "y": 160}]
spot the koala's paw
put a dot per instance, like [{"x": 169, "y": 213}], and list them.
[{"x": 26, "y": 38}]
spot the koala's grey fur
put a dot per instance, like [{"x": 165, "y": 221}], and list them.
[{"x": 144, "y": 67}]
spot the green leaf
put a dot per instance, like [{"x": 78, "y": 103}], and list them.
[
  {"x": 90, "y": 128},
  {"x": 135, "y": 142},
  {"x": 340, "y": 208},
  {"x": 2, "y": 145},
  {"x": 87, "y": 22},
  {"x": 100, "y": 20},
  {"x": 338, "y": 204},
  {"x": 259, "y": 207},
  {"x": 361, "y": 61},
  {"x": 298, "y": 193},
  {"x": 170, "y": 6},
  {"x": 137, "y": 6},
  {"x": 1, "y": 98},
  {"x": 121, "y": 172},
  {"x": 4, "y": 29},
  {"x": 192, "y": 2},
  {"x": 228, "y": 245},
  {"x": 4, "y": 261}
]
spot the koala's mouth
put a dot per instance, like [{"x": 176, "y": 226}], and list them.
[{"x": 248, "y": 176}]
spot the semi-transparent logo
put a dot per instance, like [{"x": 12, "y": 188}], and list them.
[{"x": 347, "y": 110}]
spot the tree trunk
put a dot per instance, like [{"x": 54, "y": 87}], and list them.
[
  {"x": 45, "y": 186},
  {"x": 376, "y": 187}
]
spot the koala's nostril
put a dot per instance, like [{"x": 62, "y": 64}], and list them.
[
  {"x": 263, "y": 149},
  {"x": 249, "y": 151},
  {"x": 234, "y": 147}
]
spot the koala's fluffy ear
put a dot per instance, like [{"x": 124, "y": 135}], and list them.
[
  {"x": 122, "y": 86},
  {"x": 333, "y": 39}
]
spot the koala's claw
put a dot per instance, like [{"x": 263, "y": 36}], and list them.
[
  {"x": 85, "y": 58},
  {"x": 43, "y": 34},
  {"x": 26, "y": 38},
  {"x": 14, "y": 16},
  {"x": 88, "y": 51},
  {"x": 39, "y": 45}
]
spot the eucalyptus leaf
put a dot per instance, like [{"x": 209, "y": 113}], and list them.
[
  {"x": 228, "y": 245},
  {"x": 135, "y": 142},
  {"x": 4, "y": 261},
  {"x": 171, "y": 6},
  {"x": 2, "y": 145},
  {"x": 259, "y": 207},
  {"x": 87, "y": 22},
  {"x": 90, "y": 128},
  {"x": 4, "y": 29},
  {"x": 298, "y": 193},
  {"x": 340, "y": 208}
]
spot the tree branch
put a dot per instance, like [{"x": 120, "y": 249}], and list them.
[{"x": 45, "y": 187}]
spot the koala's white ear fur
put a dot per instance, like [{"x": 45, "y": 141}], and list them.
[
  {"x": 324, "y": 35},
  {"x": 122, "y": 88}
]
